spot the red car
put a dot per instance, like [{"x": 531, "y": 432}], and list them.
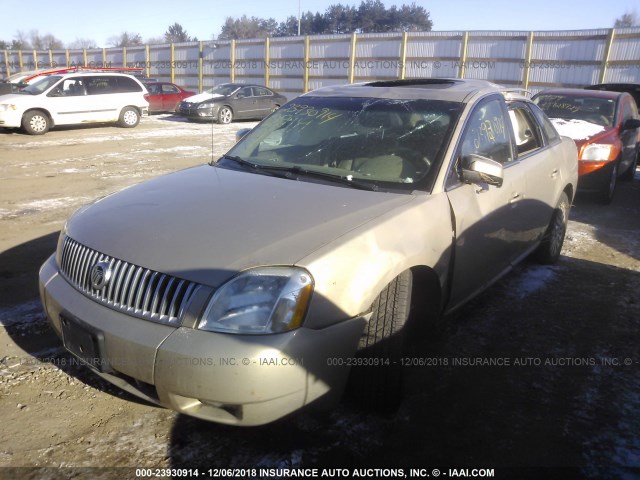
[
  {"x": 606, "y": 128},
  {"x": 165, "y": 96}
]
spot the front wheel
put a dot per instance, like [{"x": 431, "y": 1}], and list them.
[
  {"x": 376, "y": 378},
  {"x": 36, "y": 122},
  {"x": 549, "y": 250},
  {"x": 608, "y": 189},
  {"x": 630, "y": 173},
  {"x": 129, "y": 117},
  {"x": 225, "y": 115}
]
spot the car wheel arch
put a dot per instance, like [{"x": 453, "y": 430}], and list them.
[{"x": 43, "y": 110}]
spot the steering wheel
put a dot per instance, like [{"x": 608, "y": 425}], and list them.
[{"x": 421, "y": 164}]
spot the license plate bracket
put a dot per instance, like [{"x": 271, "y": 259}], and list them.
[{"x": 85, "y": 342}]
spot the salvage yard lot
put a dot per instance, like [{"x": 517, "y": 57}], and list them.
[{"x": 541, "y": 370}]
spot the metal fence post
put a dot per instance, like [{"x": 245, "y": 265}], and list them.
[
  {"x": 463, "y": 54},
  {"x": 607, "y": 54},
  {"x": 527, "y": 66}
]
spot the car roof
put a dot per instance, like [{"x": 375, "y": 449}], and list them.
[
  {"x": 448, "y": 89},
  {"x": 632, "y": 88},
  {"x": 581, "y": 92}
]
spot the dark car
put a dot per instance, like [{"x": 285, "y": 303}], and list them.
[
  {"x": 165, "y": 96},
  {"x": 232, "y": 101},
  {"x": 631, "y": 88},
  {"x": 605, "y": 126}
]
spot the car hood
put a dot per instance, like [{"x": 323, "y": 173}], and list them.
[
  {"x": 207, "y": 223},
  {"x": 579, "y": 130},
  {"x": 203, "y": 97}
]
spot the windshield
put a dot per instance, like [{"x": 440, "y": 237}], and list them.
[
  {"x": 599, "y": 111},
  {"x": 392, "y": 143},
  {"x": 41, "y": 85},
  {"x": 224, "y": 89}
]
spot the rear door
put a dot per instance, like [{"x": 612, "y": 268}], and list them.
[
  {"x": 170, "y": 97},
  {"x": 537, "y": 156},
  {"x": 488, "y": 220}
]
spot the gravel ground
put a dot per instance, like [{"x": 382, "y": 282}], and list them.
[{"x": 563, "y": 390}]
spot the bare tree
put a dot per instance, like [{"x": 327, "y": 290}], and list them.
[
  {"x": 20, "y": 41},
  {"x": 125, "y": 39},
  {"x": 81, "y": 43},
  {"x": 628, "y": 19}
]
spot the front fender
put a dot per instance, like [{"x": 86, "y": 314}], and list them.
[{"x": 352, "y": 270}]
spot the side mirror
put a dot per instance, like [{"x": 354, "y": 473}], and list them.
[
  {"x": 241, "y": 133},
  {"x": 56, "y": 92},
  {"x": 631, "y": 124},
  {"x": 478, "y": 169},
  {"x": 241, "y": 95}
]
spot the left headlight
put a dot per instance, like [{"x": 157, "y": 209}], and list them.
[
  {"x": 598, "y": 152},
  {"x": 5, "y": 107},
  {"x": 205, "y": 105},
  {"x": 260, "y": 301}
]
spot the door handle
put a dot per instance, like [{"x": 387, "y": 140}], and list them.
[
  {"x": 554, "y": 174},
  {"x": 515, "y": 198}
]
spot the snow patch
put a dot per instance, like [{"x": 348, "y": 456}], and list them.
[
  {"x": 533, "y": 279},
  {"x": 576, "y": 129}
]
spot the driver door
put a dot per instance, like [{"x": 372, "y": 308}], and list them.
[{"x": 488, "y": 220}]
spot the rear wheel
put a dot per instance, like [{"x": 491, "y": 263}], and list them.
[
  {"x": 376, "y": 377},
  {"x": 36, "y": 122},
  {"x": 129, "y": 117},
  {"x": 225, "y": 115},
  {"x": 549, "y": 250}
]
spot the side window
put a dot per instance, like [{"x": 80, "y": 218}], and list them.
[
  {"x": 245, "y": 92},
  {"x": 525, "y": 129},
  {"x": 166, "y": 88},
  {"x": 547, "y": 127},
  {"x": 486, "y": 133},
  {"x": 627, "y": 111},
  {"x": 100, "y": 85},
  {"x": 126, "y": 84},
  {"x": 73, "y": 87},
  {"x": 261, "y": 92}
]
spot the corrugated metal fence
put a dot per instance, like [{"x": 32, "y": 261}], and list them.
[{"x": 293, "y": 65}]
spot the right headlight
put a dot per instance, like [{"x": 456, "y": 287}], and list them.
[
  {"x": 5, "y": 107},
  {"x": 260, "y": 301}
]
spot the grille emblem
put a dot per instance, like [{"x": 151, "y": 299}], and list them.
[{"x": 100, "y": 275}]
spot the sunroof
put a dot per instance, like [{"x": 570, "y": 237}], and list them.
[{"x": 418, "y": 82}]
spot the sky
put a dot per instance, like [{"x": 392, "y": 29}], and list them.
[{"x": 69, "y": 20}]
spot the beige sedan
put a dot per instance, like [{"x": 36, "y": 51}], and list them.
[{"x": 244, "y": 290}]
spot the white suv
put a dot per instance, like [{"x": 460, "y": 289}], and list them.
[{"x": 75, "y": 98}]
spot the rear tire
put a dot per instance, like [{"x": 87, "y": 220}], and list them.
[
  {"x": 129, "y": 117},
  {"x": 548, "y": 252},
  {"x": 376, "y": 377},
  {"x": 36, "y": 122}
]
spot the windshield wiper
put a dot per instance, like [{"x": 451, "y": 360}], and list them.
[
  {"x": 295, "y": 171},
  {"x": 344, "y": 180},
  {"x": 251, "y": 166}
]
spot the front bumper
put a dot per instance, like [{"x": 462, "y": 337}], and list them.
[
  {"x": 195, "y": 113},
  {"x": 594, "y": 176},
  {"x": 233, "y": 379},
  {"x": 10, "y": 119}
]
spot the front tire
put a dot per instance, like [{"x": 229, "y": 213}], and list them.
[
  {"x": 609, "y": 188},
  {"x": 36, "y": 122},
  {"x": 129, "y": 118},
  {"x": 376, "y": 379},
  {"x": 548, "y": 252},
  {"x": 630, "y": 173},
  {"x": 225, "y": 115}
]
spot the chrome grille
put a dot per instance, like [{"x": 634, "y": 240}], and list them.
[{"x": 132, "y": 289}]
